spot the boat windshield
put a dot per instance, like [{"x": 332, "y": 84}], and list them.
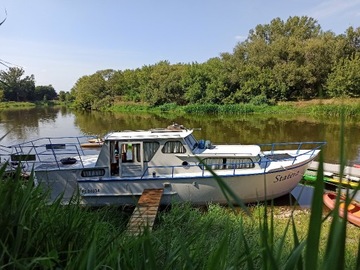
[{"x": 191, "y": 141}]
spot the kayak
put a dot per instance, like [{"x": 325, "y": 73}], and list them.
[
  {"x": 353, "y": 209},
  {"x": 351, "y": 182}
]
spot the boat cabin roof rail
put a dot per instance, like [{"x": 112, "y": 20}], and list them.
[{"x": 311, "y": 146}]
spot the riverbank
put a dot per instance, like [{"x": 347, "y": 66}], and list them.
[
  {"x": 332, "y": 107},
  {"x": 34, "y": 234},
  {"x": 12, "y": 105},
  {"x": 349, "y": 107}
]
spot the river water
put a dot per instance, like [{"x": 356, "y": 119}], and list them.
[{"x": 27, "y": 124}]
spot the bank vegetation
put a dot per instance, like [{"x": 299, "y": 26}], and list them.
[{"x": 280, "y": 61}]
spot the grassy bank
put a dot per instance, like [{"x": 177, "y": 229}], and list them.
[
  {"x": 327, "y": 107},
  {"x": 333, "y": 107},
  {"x": 12, "y": 105},
  {"x": 16, "y": 105},
  {"x": 34, "y": 234}
]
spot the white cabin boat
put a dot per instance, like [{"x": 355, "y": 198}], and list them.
[{"x": 169, "y": 158}]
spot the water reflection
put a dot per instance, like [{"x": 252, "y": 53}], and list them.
[
  {"x": 246, "y": 129},
  {"x": 26, "y": 124}
]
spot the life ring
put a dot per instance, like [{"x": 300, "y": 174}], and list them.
[{"x": 68, "y": 161}]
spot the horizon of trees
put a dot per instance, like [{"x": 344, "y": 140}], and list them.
[
  {"x": 14, "y": 86},
  {"x": 280, "y": 61}
]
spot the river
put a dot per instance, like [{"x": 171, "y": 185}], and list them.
[{"x": 25, "y": 124}]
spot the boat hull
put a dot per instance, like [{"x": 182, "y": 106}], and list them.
[{"x": 249, "y": 188}]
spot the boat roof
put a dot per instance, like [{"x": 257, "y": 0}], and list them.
[
  {"x": 159, "y": 133},
  {"x": 230, "y": 150}
]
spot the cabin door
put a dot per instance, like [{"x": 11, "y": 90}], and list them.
[{"x": 131, "y": 160}]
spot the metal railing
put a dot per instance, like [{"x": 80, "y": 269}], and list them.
[
  {"x": 46, "y": 151},
  {"x": 264, "y": 162}
]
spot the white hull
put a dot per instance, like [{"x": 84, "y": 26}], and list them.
[{"x": 190, "y": 188}]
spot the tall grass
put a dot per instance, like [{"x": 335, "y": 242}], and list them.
[
  {"x": 36, "y": 235},
  {"x": 350, "y": 109}
]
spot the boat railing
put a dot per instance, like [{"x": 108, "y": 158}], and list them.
[
  {"x": 47, "y": 151},
  {"x": 294, "y": 145},
  {"x": 298, "y": 146},
  {"x": 5, "y": 153},
  {"x": 201, "y": 169},
  {"x": 157, "y": 171}
]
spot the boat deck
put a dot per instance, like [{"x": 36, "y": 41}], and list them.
[{"x": 81, "y": 162}]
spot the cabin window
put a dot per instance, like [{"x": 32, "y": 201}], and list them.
[
  {"x": 128, "y": 151},
  {"x": 93, "y": 172},
  {"x": 214, "y": 163},
  {"x": 150, "y": 148},
  {"x": 191, "y": 141},
  {"x": 239, "y": 163},
  {"x": 172, "y": 147},
  {"x": 228, "y": 163}
]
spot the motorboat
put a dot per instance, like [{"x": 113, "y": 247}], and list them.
[{"x": 172, "y": 159}]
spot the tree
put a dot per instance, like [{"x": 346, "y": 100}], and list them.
[
  {"x": 62, "y": 96},
  {"x": 164, "y": 84},
  {"x": 45, "y": 92},
  {"x": 125, "y": 84},
  {"x": 91, "y": 91},
  {"x": 15, "y": 87},
  {"x": 345, "y": 78},
  {"x": 284, "y": 60}
]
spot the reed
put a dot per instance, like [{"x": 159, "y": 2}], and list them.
[{"x": 315, "y": 108}]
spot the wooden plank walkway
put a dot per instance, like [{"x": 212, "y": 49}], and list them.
[
  {"x": 335, "y": 168},
  {"x": 145, "y": 212}
]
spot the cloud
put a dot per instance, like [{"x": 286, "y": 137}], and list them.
[
  {"x": 331, "y": 8},
  {"x": 240, "y": 37}
]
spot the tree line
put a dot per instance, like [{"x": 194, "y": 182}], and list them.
[
  {"x": 280, "y": 61},
  {"x": 15, "y": 87}
]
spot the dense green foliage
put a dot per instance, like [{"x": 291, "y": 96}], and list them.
[
  {"x": 279, "y": 61},
  {"x": 15, "y": 87}
]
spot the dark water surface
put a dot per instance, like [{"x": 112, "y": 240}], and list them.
[{"x": 26, "y": 124}]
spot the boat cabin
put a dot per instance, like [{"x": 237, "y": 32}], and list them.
[{"x": 167, "y": 152}]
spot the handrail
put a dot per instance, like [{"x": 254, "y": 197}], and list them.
[
  {"x": 263, "y": 163},
  {"x": 45, "y": 154}
]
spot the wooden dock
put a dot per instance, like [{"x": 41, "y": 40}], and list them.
[
  {"x": 145, "y": 212},
  {"x": 335, "y": 169}
]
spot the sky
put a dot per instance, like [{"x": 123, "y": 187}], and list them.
[{"x": 59, "y": 41}]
